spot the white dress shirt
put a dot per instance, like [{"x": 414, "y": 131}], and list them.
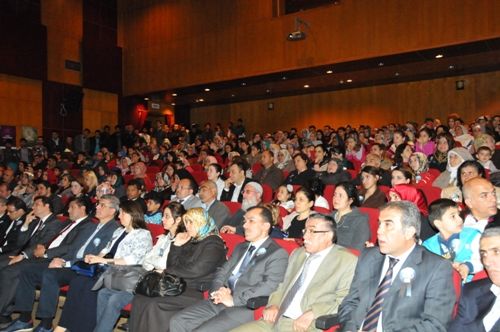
[
  {"x": 472, "y": 222},
  {"x": 294, "y": 310},
  {"x": 61, "y": 236},
  {"x": 257, "y": 245}
]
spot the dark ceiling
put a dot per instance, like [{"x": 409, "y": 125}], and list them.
[{"x": 454, "y": 60}]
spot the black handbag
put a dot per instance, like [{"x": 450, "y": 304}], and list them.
[{"x": 155, "y": 284}]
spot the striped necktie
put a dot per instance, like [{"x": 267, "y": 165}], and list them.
[{"x": 373, "y": 315}]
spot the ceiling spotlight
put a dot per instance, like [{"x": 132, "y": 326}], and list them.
[
  {"x": 341, "y": 81},
  {"x": 439, "y": 56},
  {"x": 349, "y": 81},
  {"x": 173, "y": 104},
  {"x": 329, "y": 71},
  {"x": 233, "y": 95},
  {"x": 451, "y": 67},
  {"x": 207, "y": 89},
  {"x": 396, "y": 74},
  {"x": 284, "y": 78},
  {"x": 306, "y": 86},
  {"x": 268, "y": 90},
  {"x": 243, "y": 84},
  {"x": 146, "y": 98},
  {"x": 201, "y": 100},
  {"x": 298, "y": 34},
  {"x": 174, "y": 94},
  {"x": 380, "y": 64}
]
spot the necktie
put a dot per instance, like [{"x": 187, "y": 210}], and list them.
[
  {"x": 371, "y": 319},
  {"x": 246, "y": 260},
  {"x": 296, "y": 286},
  {"x": 62, "y": 232}
]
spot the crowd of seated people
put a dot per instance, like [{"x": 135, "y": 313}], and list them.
[{"x": 97, "y": 200}]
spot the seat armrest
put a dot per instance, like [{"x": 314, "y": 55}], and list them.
[
  {"x": 327, "y": 321},
  {"x": 257, "y": 302}
]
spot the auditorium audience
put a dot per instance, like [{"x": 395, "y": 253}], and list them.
[{"x": 174, "y": 154}]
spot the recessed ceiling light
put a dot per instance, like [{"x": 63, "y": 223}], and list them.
[
  {"x": 268, "y": 90},
  {"x": 380, "y": 64},
  {"x": 439, "y": 56},
  {"x": 329, "y": 71},
  {"x": 173, "y": 104},
  {"x": 396, "y": 74},
  {"x": 146, "y": 98},
  {"x": 341, "y": 81},
  {"x": 284, "y": 78},
  {"x": 174, "y": 94},
  {"x": 201, "y": 100},
  {"x": 451, "y": 67},
  {"x": 349, "y": 81},
  {"x": 207, "y": 89},
  {"x": 306, "y": 86},
  {"x": 233, "y": 95},
  {"x": 243, "y": 83}
]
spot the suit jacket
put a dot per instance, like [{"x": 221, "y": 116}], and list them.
[
  {"x": 219, "y": 211},
  {"x": 69, "y": 241},
  {"x": 4, "y": 224},
  {"x": 475, "y": 303},
  {"x": 429, "y": 308},
  {"x": 192, "y": 202},
  {"x": 262, "y": 276},
  {"x": 271, "y": 176},
  {"x": 98, "y": 242},
  {"x": 9, "y": 242},
  {"x": 329, "y": 285},
  {"x": 44, "y": 235},
  {"x": 228, "y": 194}
]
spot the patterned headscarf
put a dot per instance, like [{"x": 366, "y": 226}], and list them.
[{"x": 423, "y": 164}]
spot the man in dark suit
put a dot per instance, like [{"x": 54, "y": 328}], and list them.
[
  {"x": 215, "y": 208},
  {"x": 62, "y": 244},
  {"x": 39, "y": 228},
  {"x": 59, "y": 273},
  {"x": 16, "y": 211},
  {"x": 233, "y": 190},
  {"x": 269, "y": 174},
  {"x": 399, "y": 286},
  {"x": 255, "y": 269},
  {"x": 479, "y": 308},
  {"x": 4, "y": 218}
]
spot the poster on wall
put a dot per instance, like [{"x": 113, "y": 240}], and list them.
[
  {"x": 29, "y": 134},
  {"x": 7, "y": 133}
]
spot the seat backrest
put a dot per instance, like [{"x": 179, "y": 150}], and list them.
[
  {"x": 232, "y": 206},
  {"x": 372, "y": 221},
  {"x": 322, "y": 210},
  {"x": 267, "y": 195},
  {"x": 155, "y": 230},
  {"x": 480, "y": 275},
  {"x": 231, "y": 241},
  {"x": 288, "y": 245},
  {"x": 328, "y": 194},
  {"x": 199, "y": 176},
  {"x": 431, "y": 193}
]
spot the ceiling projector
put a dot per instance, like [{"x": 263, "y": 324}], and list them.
[{"x": 296, "y": 35}]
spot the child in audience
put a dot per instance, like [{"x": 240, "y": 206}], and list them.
[
  {"x": 454, "y": 242},
  {"x": 284, "y": 197},
  {"x": 483, "y": 155},
  {"x": 153, "y": 203}
]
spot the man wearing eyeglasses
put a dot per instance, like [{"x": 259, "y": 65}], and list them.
[{"x": 317, "y": 279}]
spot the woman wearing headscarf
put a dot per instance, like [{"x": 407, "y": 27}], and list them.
[
  {"x": 420, "y": 167},
  {"x": 284, "y": 161},
  {"x": 439, "y": 160},
  {"x": 456, "y": 157},
  {"x": 194, "y": 256}
]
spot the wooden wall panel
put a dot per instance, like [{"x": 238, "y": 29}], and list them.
[
  {"x": 21, "y": 103},
  {"x": 375, "y": 106},
  {"x": 64, "y": 23},
  {"x": 99, "y": 109},
  {"x": 193, "y": 42}
]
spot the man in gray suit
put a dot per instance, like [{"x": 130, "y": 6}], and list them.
[
  {"x": 215, "y": 208},
  {"x": 185, "y": 194},
  {"x": 399, "y": 286},
  {"x": 255, "y": 269}
]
